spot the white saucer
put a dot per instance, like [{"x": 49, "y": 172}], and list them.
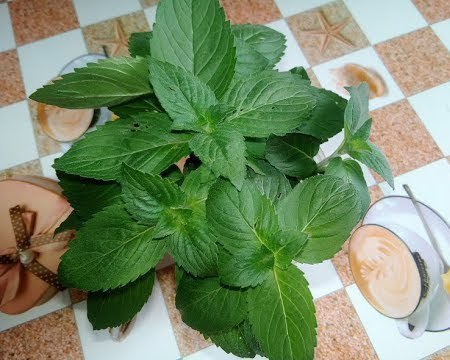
[{"x": 400, "y": 210}]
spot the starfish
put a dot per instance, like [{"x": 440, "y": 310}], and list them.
[
  {"x": 328, "y": 32},
  {"x": 118, "y": 44}
]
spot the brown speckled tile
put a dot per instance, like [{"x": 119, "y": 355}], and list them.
[
  {"x": 29, "y": 168},
  {"x": 251, "y": 11},
  {"x": 312, "y": 76},
  {"x": 340, "y": 260},
  {"x": 444, "y": 354},
  {"x": 45, "y": 144},
  {"x": 403, "y": 138},
  {"x": 340, "y": 334},
  {"x": 11, "y": 85},
  {"x": 433, "y": 10},
  {"x": 105, "y": 31},
  {"x": 77, "y": 296},
  {"x": 417, "y": 61},
  {"x": 52, "y": 337},
  {"x": 38, "y": 19},
  {"x": 148, "y": 3},
  {"x": 310, "y": 44},
  {"x": 189, "y": 341}
]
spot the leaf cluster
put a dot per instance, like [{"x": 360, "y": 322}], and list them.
[{"x": 251, "y": 201}]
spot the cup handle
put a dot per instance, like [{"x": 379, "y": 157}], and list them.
[{"x": 419, "y": 318}]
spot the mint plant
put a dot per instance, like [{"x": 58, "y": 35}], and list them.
[{"x": 251, "y": 200}]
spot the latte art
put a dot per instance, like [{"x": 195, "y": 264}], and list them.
[{"x": 385, "y": 271}]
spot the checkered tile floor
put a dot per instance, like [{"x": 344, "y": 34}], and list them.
[{"x": 407, "y": 42}]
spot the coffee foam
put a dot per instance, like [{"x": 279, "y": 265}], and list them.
[{"x": 385, "y": 271}]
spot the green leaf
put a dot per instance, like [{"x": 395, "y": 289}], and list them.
[
  {"x": 269, "y": 103},
  {"x": 195, "y": 36},
  {"x": 256, "y": 147},
  {"x": 139, "y": 44},
  {"x": 357, "y": 110},
  {"x": 293, "y": 154},
  {"x": 281, "y": 313},
  {"x": 193, "y": 247},
  {"x": 246, "y": 267},
  {"x": 184, "y": 96},
  {"x": 144, "y": 142},
  {"x": 109, "y": 251},
  {"x": 197, "y": 183},
  {"x": 300, "y": 71},
  {"x": 273, "y": 184},
  {"x": 223, "y": 151},
  {"x": 363, "y": 133},
  {"x": 118, "y": 306},
  {"x": 73, "y": 222},
  {"x": 106, "y": 83},
  {"x": 147, "y": 196},
  {"x": 143, "y": 104},
  {"x": 262, "y": 39},
  {"x": 327, "y": 118},
  {"x": 249, "y": 61},
  {"x": 370, "y": 155},
  {"x": 237, "y": 341},
  {"x": 88, "y": 196},
  {"x": 350, "y": 171},
  {"x": 290, "y": 243},
  {"x": 326, "y": 208},
  {"x": 209, "y": 307}
]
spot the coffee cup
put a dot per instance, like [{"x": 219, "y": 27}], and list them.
[{"x": 397, "y": 272}]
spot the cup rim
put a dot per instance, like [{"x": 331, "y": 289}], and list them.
[{"x": 411, "y": 253}]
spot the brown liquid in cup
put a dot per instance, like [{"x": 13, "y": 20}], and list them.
[{"x": 385, "y": 271}]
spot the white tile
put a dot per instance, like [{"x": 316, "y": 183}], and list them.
[
  {"x": 430, "y": 185},
  {"x": 90, "y": 12},
  {"x": 367, "y": 58},
  {"x": 323, "y": 278},
  {"x": 385, "y": 338},
  {"x": 151, "y": 337},
  {"x": 150, "y": 14},
  {"x": 215, "y": 353},
  {"x": 47, "y": 165},
  {"x": 293, "y": 56},
  {"x": 433, "y": 108},
  {"x": 384, "y": 19},
  {"x": 59, "y": 301},
  {"x": 6, "y": 31},
  {"x": 292, "y": 7},
  {"x": 442, "y": 30},
  {"x": 17, "y": 143},
  {"x": 41, "y": 61}
]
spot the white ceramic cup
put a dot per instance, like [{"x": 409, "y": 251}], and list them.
[{"x": 429, "y": 266}]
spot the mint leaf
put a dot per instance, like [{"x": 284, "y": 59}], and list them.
[
  {"x": 249, "y": 61},
  {"x": 262, "y": 39},
  {"x": 300, "y": 71},
  {"x": 196, "y": 185},
  {"x": 350, "y": 171},
  {"x": 144, "y": 142},
  {"x": 256, "y": 147},
  {"x": 106, "y": 83},
  {"x": 326, "y": 208},
  {"x": 273, "y": 184},
  {"x": 269, "y": 103},
  {"x": 369, "y": 154},
  {"x": 88, "y": 196},
  {"x": 246, "y": 267},
  {"x": 184, "y": 96},
  {"x": 139, "y": 44},
  {"x": 109, "y": 251},
  {"x": 357, "y": 110},
  {"x": 147, "y": 196},
  {"x": 283, "y": 308},
  {"x": 195, "y": 36},
  {"x": 237, "y": 341},
  {"x": 363, "y": 133},
  {"x": 293, "y": 154},
  {"x": 143, "y": 104},
  {"x": 327, "y": 118},
  {"x": 208, "y": 307},
  {"x": 118, "y": 306},
  {"x": 193, "y": 247},
  {"x": 223, "y": 151},
  {"x": 73, "y": 222},
  {"x": 290, "y": 243}
]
